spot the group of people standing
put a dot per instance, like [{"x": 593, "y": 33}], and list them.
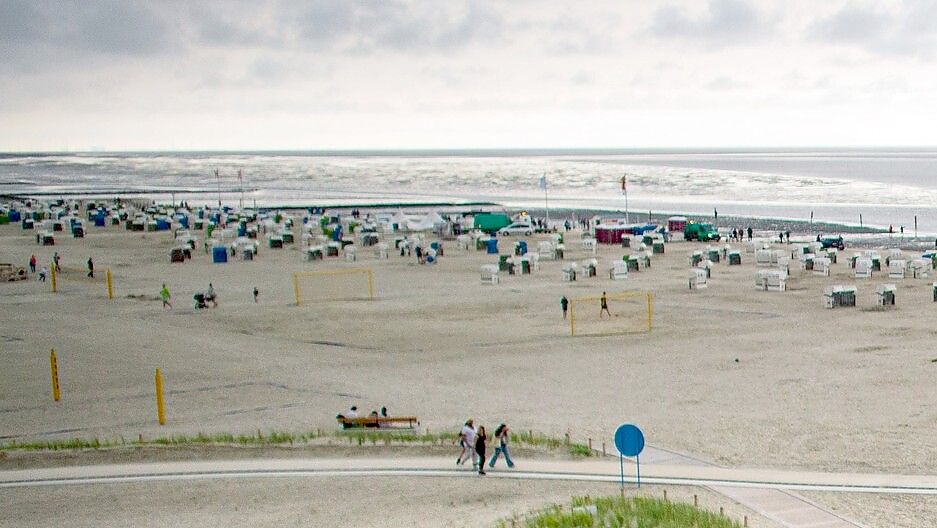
[
  {"x": 474, "y": 444},
  {"x": 738, "y": 234}
]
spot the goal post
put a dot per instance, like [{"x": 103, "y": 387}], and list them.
[
  {"x": 628, "y": 312},
  {"x": 333, "y": 285}
]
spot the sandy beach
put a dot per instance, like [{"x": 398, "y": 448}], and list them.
[{"x": 735, "y": 376}]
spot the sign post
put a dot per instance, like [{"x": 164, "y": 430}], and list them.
[{"x": 629, "y": 440}]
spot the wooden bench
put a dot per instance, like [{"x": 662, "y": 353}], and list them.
[{"x": 378, "y": 421}]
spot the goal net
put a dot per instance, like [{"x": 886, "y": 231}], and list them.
[
  {"x": 333, "y": 285},
  {"x": 628, "y": 312}
]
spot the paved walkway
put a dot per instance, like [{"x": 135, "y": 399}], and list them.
[{"x": 764, "y": 490}]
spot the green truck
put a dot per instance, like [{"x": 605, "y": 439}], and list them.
[
  {"x": 701, "y": 232},
  {"x": 491, "y": 222}
]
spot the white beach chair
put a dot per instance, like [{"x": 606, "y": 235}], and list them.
[
  {"x": 763, "y": 258},
  {"x": 821, "y": 266},
  {"x": 618, "y": 270},
  {"x": 381, "y": 250},
  {"x": 698, "y": 279},
  {"x": 489, "y": 274},
  {"x": 896, "y": 268},
  {"x": 863, "y": 268},
  {"x": 588, "y": 244},
  {"x": 777, "y": 281},
  {"x": 919, "y": 268},
  {"x": 885, "y": 294}
]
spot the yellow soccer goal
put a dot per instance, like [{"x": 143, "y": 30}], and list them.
[
  {"x": 333, "y": 285},
  {"x": 628, "y": 312}
]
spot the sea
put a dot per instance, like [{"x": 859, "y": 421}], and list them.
[{"x": 870, "y": 187}]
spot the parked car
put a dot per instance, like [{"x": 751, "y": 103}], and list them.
[
  {"x": 701, "y": 232},
  {"x": 517, "y": 228},
  {"x": 832, "y": 242}
]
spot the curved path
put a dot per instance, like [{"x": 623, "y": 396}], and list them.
[{"x": 752, "y": 483}]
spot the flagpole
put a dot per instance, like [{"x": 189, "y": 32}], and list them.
[
  {"x": 546, "y": 202},
  {"x": 624, "y": 189},
  {"x": 241, "y": 184}
]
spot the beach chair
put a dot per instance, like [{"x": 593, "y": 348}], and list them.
[
  {"x": 699, "y": 279},
  {"x": 351, "y": 253},
  {"x": 735, "y": 258},
  {"x": 763, "y": 258},
  {"x": 588, "y": 244},
  {"x": 806, "y": 262},
  {"x": 919, "y": 268},
  {"x": 315, "y": 253},
  {"x": 545, "y": 250},
  {"x": 489, "y": 274},
  {"x": 590, "y": 267},
  {"x": 821, "y": 266},
  {"x": 381, "y": 250},
  {"x": 777, "y": 281},
  {"x": 885, "y": 295},
  {"x": 761, "y": 280},
  {"x": 896, "y": 268},
  {"x": 618, "y": 270},
  {"x": 570, "y": 272},
  {"x": 696, "y": 257},
  {"x": 863, "y": 268}
]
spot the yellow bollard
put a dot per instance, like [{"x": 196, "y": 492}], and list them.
[
  {"x": 56, "y": 392},
  {"x": 53, "y": 279},
  {"x": 160, "y": 410},
  {"x": 296, "y": 287},
  {"x": 110, "y": 285}
]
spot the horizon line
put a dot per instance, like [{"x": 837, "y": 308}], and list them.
[{"x": 479, "y": 150}]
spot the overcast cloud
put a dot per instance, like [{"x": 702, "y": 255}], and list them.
[{"x": 400, "y": 74}]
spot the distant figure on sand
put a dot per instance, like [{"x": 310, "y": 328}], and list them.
[
  {"x": 564, "y": 304},
  {"x": 90, "y": 268},
  {"x": 32, "y": 264},
  {"x": 467, "y": 443},
  {"x": 164, "y": 295},
  {"x": 211, "y": 296},
  {"x": 749, "y": 233},
  {"x": 256, "y": 293},
  {"x": 604, "y": 308},
  {"x": 502, "y": 435},
  {"x": 43, "y": 273},
  {"x": 55, "y": 262},
  {"x": 481, "y": 444}
]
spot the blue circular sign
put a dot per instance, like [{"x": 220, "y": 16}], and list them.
[{"x": 629, "y": 440}]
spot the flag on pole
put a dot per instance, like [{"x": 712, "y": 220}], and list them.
[
  {"x": 624, "y": 183},
  {"x": 543, "y": 182}
]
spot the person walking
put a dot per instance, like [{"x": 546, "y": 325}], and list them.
[
  {"x": 164, "y": 295},
  {"x": 55, "y": 262},
  {"x": 502, "y": 435},
  {"x": 256, "y": 293},
  {"x": 32, "y": 264},
  {"x": 749, "y": 233},
  {"x": 467, "y": 443},
  {"x": 481, "y": 444},
  {"x": 90, "y": 268},
  {"x": 564, "y": 304},
  {"x": 604, "y": 306}
]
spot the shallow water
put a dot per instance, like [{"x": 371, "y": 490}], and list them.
[{"x": 885, "y": 187}]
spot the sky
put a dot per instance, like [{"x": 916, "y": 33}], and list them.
[{"x": 337, "y": 74}]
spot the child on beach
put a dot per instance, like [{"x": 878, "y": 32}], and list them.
[{"x": 164, "y": 295}]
